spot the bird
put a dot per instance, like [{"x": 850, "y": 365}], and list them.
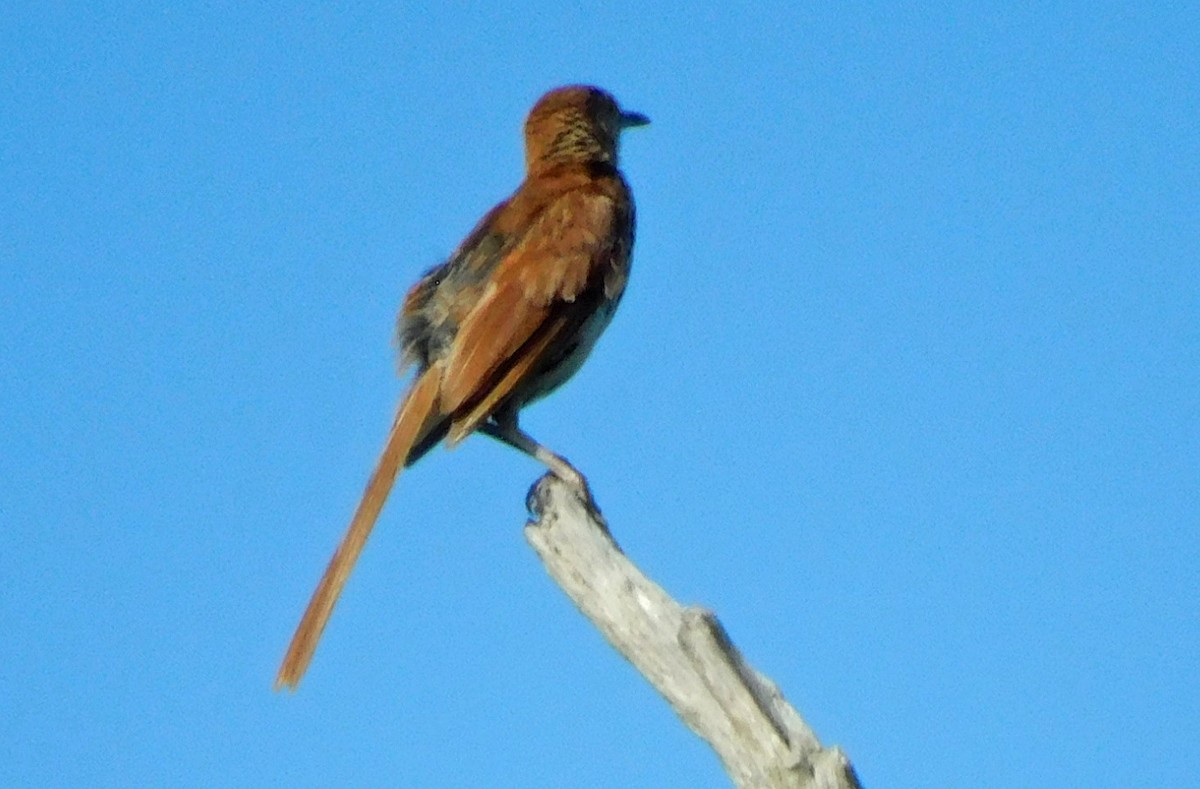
[{"x": 506, "y": 319}]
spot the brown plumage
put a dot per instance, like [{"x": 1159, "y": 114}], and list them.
[{"x": 509, "y": 317}]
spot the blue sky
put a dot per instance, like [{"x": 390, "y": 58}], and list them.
[{"x": 905, "y": 386}]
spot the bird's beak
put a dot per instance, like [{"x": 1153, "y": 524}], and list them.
[{"x": 631, "y": 119}]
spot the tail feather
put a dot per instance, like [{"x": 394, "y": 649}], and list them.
[{"x": 413, "y": 420}]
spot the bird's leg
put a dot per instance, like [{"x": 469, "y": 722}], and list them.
[{"x": 503, "y": 427}]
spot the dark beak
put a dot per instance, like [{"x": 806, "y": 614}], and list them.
[{"x": 631, "y": 119}]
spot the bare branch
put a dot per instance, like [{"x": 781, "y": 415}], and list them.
[{"x": 684, "y": 652}]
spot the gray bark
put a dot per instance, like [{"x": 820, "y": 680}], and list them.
[{"x": 683, "y": 651}]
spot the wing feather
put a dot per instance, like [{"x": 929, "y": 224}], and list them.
[
  {"x": 552, "y": 333},
  {"x": 562, "y": 254}
]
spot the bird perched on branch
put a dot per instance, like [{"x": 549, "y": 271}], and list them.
[{"x": 508, "y": 318}]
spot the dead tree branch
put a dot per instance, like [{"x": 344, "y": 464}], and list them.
[{"x": 683, "y": 651}]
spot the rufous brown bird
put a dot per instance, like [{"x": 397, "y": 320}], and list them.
[{"x": 508, "y": 318}]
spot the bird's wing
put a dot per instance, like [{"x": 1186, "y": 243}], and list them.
[
  {"x": 533, "y": 300},
  {"x": 554, "y": 335}
]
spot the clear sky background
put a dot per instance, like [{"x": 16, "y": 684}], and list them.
[{"x": 906, "y": 386}]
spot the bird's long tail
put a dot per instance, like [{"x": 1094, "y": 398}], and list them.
[{"x": 413, "y": 418}]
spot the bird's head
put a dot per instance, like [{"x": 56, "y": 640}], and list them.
[{"x": 576, "y": 124}]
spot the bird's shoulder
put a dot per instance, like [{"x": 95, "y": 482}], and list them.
[{"x": 545, "y": 240}]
